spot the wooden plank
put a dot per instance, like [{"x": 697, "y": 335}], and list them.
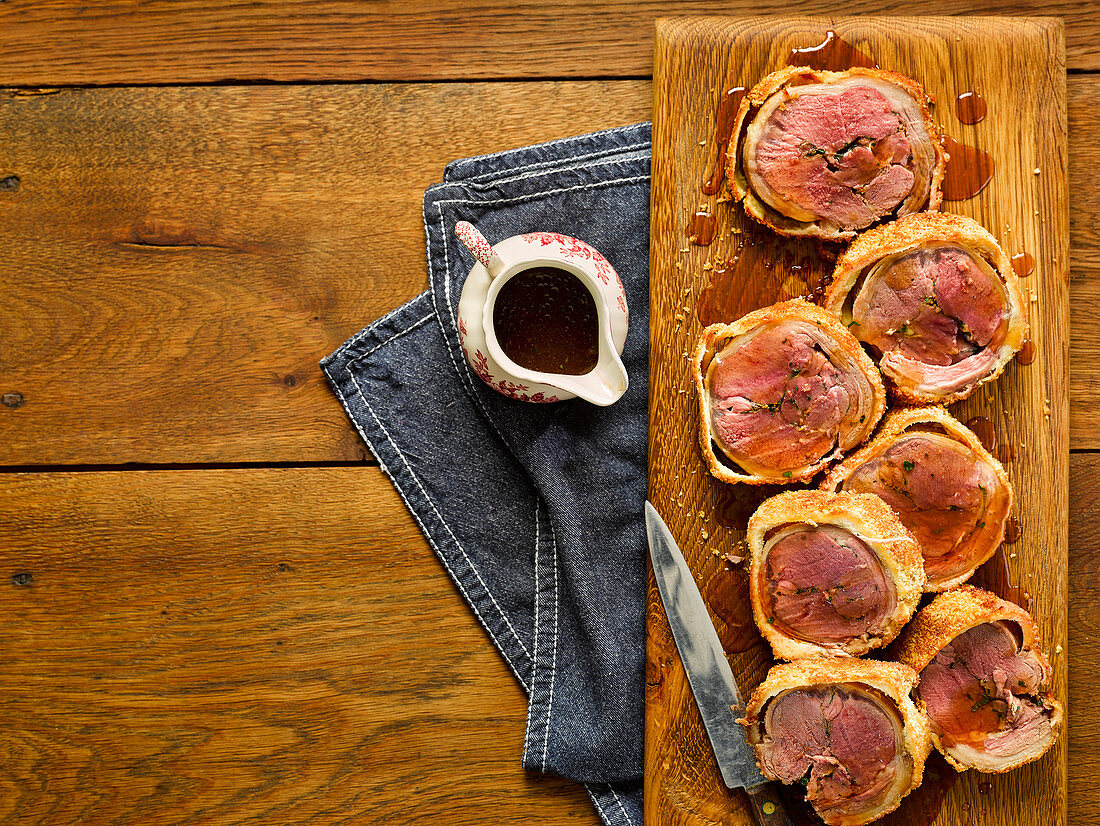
[
  {"x": 228, "y": 646},
  {"x": 176, "y": 261},
  {"x": 1084, "y": 638},
  {"x": 1019, "y": 69},
  {"x": 128, "y": 352},
  {"x": 353, "y": 684},
  {"x": 167, "y": 42}
]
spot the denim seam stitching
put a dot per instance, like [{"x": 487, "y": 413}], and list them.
[
  {"x": 538, "y": 173},
  {"x": 416, "y": 516},
  {"x": 535, "y": 644},
  {"x": 397, "y": 335},
  {"x": 370, "y": 328},
  {"x": 554, "y": 657},
  {"x": 431, "y": 503},
  {"x": 556, "y": 142},
  {"x": 535, "y": 170},
  {"x": 486, "y": 178},
  {"x": 439, "y": 516},
  {"x": 596, "y": 803},
  {"x": 621, "y": 807}
]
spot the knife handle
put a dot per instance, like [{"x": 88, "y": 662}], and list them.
[{"x": 767, "y": 807}]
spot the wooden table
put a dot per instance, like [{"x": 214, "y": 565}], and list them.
[{"x": 216, "y": 608}]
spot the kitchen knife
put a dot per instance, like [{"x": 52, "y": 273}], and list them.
[{"x": 709, "y": 672}]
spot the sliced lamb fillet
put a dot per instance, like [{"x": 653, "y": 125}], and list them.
[
  {"x": 846, "y": 728},
  {"x": 831, "y": 573},
  {"x": 934, "y": 299},
  {"x": 829, "y": 153},
  {"x": 783, "y": 391},
  {"x": 981, "y": 678}
]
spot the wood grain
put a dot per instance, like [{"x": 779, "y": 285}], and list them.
[
  {"x": 247, "y": 646},
  {"x": 314, "y": 664},
  {"x": 1019, "y": 68},
  {"x": 175, "y": 262},
  {"x": 169, "y": 42},
  {"x": 1084, "y": 638}
]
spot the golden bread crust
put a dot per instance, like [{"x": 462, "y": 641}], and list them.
[
  {"x": 910, "y": 232},
  {"x": 802, "y": 75},
  {"x": 713, "y": 339},
  {"x": 869, "y": 519}
]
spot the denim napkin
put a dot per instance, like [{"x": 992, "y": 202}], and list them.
[{"x": 534, "y": 509}]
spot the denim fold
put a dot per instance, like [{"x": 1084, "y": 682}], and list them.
[{"x": 534, "y": 510}]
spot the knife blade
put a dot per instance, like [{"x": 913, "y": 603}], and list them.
[{"x": 708, "y": 671}]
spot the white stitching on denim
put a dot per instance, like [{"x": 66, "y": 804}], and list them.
[
  {"x": 535, "y": 644},
  {"x": 396, "y": 335},
  {"x": 622, "y": 808},
  {"x": 423, "y": 528},
  {"x": 596, "y": 802},
  {"x": 439, "y": 516},
  {"x": 536, "y": 173},
  {"x": 557, "y": 164},
  {"x": 554, "y": 658},
  {"x": 370, "y": 328},
  {"x": 555, "y": 142}
]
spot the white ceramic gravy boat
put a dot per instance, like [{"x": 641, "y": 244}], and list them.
[{"x": 605, "y": 383}]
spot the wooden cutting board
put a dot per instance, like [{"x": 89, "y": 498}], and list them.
[{"x": 1018, "y": 67}]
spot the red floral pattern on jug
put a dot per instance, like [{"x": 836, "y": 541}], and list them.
[
  {"x": 519, "y": 392},
  {"x": 573, "y": 248}
]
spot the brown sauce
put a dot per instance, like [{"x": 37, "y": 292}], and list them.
[
  {"x": 993, "y": 576},
  {"x": 970, "y": 107},
  {"x": 702, "y": 228},
  {"x": 736, "y": 503},
  {"x": 985, "y": 787},
  {"x": 545, "y": 320},
  {"x": 763, "y": 268},
  {"x": 968, "y": 170},
  {"x": 1005, "y": 453},
  {"x": 723, "y": 133},
  {"x": 1012, "y": 530},
  {"x": 727, "y": 594},
  {"x": 1023, "y": 264},
  {"x": 1026, "y": 355},
  {"x": 984, "y": 430},
  {"x": 831, "y": 53}
]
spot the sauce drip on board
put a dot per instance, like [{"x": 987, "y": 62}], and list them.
[
  {"x": 993, "y": 576},
  {"x": 1012, "y": 530},
  {"x": 723, "y": 133},
  {"x": 545, "y": 320},
  {"x": 727, "y": 594},
  {"x": 763, "y": 268},
  {"x": 1022, "y": 264},
  {"x": 985, "y": 431},
  {"x": 736, "y": 503},
  {"x": 1026, "y": 354},
  {"x": 702, "y": 228},
  {"x": 970, "y": 107},
  {"x": 831, "y": 53},
  {"x": 968, "y": 170},
  {"x": 1005, "y": 454}
]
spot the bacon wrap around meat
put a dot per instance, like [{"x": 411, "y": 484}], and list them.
[
  {"x": 827, "y": 154},
  {"x": 934, "y": 299},
  {"x": 783, "y": 391},
  {"x": 846, "y": 728},
  {"x": 831, "y": 573},
  {"x": 944, "y": 486},
  {"x": 981, "y": 677}
]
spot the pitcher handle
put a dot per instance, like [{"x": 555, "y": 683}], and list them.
[{"x": 480, "y": 248}]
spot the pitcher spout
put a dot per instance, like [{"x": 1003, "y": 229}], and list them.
[{"x": 603, "y": 385}]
